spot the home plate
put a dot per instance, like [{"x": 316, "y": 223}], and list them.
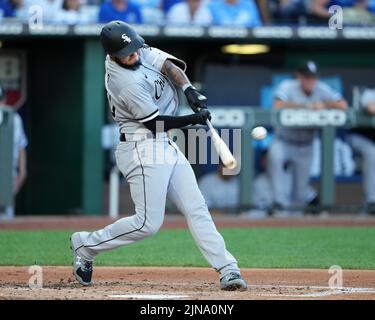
[{"x": 147, "y": 296}]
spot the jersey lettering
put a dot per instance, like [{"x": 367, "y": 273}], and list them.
[
  {"x": 113, "y": 112},
  {"x": 159, "y": 87}
]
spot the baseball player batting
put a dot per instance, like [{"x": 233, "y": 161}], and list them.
[{"x": 140, "y": 82}]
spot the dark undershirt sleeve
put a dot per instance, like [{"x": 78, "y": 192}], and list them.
[{"x": 165, "y": 123}]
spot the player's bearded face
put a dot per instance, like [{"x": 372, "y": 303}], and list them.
[
  {"x": 308, "y": 83},
  {"x": 132, "y": 61}
]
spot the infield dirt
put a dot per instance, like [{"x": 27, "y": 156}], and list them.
[{"x": 185, "y": 283}]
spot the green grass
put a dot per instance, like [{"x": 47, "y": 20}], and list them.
[{"x": 352, "y": 248}]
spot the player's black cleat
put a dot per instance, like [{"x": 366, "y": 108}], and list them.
[
  {"x": 83, "y": 272},
  {"x": 82, "y": 269},
  {"x": 232, "y": 282}
]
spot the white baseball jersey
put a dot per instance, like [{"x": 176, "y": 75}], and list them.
[
  {"x": 128, "y": 91},
  {"x": 136, "y": 96},
  {"x": 290, "y": 91}
]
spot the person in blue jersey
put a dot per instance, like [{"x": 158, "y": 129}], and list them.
[
  {"x": 123, "y": 10},
  {"x": 6, "y": 9},
  {"x": 371, "y": 6},
  {"x": 235, "y": 13}
]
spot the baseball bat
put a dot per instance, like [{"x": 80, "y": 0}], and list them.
[{"x": 222, "y": 149}]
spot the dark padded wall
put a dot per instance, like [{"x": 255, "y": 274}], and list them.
[{"x": 54, "y": 128}]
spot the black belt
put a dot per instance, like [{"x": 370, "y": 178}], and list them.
[{"x": 149, "y": 135}]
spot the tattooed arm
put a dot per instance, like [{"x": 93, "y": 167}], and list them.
[
  {"x": 175, "y": 74},
  {"x": 178, "y": 77}
]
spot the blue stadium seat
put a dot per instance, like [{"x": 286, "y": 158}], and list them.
[
  {"x": 334, "y": 82},
  {"x": 277, "y": 78}
]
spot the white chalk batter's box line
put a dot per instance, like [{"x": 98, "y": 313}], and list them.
[{"x": 327, "y": 292}]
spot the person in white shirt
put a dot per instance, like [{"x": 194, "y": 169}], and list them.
[
  {"x": 151, "y": 10},
  {"x": 50, "y": 9},
  {"x": 190, "y": 12},
  {"x": 71, "y": 13}
]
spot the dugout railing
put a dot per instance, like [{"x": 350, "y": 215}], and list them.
[
  {"x": 246, "y": 118},
  {"x": 327, "y": 121}
]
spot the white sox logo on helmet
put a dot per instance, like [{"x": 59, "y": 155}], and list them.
[{"x": 126, "y": 38}]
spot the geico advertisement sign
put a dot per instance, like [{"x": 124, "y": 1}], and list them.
[
  {"x": 227, "y": 117},
  {"x": 312, "y": 118}
]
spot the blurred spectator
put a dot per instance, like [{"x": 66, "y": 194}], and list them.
[
  {"x": 71, "y": 13},
  {"x": 16, "y": 6},
  {"x": 264, "y": 10},
  {"x": 6, "y": 10},
  {"x": 287, "y": 11},
  {"x": 190, "y": 12},
  {"x": 294, "y": 146},
  {"x": 362, "y": 141},
  {"x": 123, "y": 10},
  {"x": 19, "y": 157},
  {"x": 168, "y": 4},
  {"x": 262, "y": 191},
  {"x": 235, "y": 13},
  {"x": 354, "y": 11},
  {"x": 220, "y": 191},
  {"x": 263, "y": 197},
  {"x": 50, "y": 9},
  {"x": 343, "y": 162},
  {"x": 151, "y": 11}
]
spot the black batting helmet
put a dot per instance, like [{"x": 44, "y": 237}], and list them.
[{"x": 120, "y": 39}]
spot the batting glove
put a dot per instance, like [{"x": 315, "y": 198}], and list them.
[
  {"x": 196, "y": 100},
  {"x": 201, "y": 117}
]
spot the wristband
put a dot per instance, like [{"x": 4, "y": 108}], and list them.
[{"x": 186, "y": 85}]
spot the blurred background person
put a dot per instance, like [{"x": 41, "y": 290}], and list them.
[
  {"x": 168, "y": 4},
  {"x": 293, "y": 146},
  {"x": 187, "y": 12},
  {"x": 263, "y": 196},
  {"x": 19, "y": 157},
  {"x": 354, "y": 11},
  {"x": 235, "y": 13},
  {"x": 151, "y": 11},
  {"x": 362, "y": 140},
  {"x": 287, "y": 11},
  {"x": 50, "y": 9},
  {"x": 6, "y": 9},
  {"x": 123, "y": 10},
  {"x": 71, "y": 13},
  {"x": 220, "y": 191}
]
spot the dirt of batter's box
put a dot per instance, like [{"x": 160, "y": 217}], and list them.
[{"x": 184, "y": 283}]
